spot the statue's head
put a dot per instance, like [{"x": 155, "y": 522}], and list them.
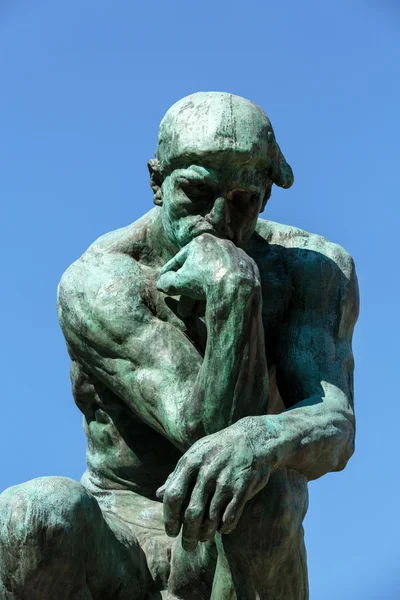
[{"x": 216, "y": 162}]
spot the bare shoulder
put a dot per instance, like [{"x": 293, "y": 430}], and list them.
[
  {"x": 307, "y": 252},
  {"x": 111, "y": 257},
  {"x": 106, "y": 281},
  {"x": 322, "y": 274}
]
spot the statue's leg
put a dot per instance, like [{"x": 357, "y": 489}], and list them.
[
  {"x": 175, "y": 574},
  {"x": 265, "y": 558},
  {"x": 55, "y": 543}
]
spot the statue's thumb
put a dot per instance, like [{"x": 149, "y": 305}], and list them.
[{"x": 166, "y": 283}]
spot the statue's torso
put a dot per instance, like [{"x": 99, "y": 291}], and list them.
[{"x": 125, "y": 452}]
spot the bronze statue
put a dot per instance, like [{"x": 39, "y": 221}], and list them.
[{"x": 211, "y": 359}]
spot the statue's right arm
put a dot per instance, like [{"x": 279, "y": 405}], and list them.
[{"x": 150, "y": 364}]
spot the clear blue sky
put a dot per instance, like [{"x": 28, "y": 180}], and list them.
[{"x": 83, "y": 88}]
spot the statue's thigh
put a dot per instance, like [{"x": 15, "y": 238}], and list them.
[
  {"x": 192, "y": 573},
  {"x": 267, "y": 547},
  {"x": 55, "y": 543}
]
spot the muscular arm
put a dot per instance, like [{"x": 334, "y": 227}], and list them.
[
  {"x": 315, "y": 373},
  {"x": 150, "y": 364},
  {"x": 232, "y": 381},
  {"x": 313, "y": 436}
]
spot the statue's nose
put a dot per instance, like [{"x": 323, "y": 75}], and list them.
[{"x": 219, "y": 217}]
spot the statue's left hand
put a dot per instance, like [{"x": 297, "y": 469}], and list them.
[{"x": 211, "y": 484}]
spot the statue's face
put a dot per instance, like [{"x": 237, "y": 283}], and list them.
[
  {"x": 217, "y": 158},
  {"x": 221, "y": 195}
]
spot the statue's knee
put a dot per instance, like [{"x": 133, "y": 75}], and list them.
[
  {"x": 287, "y": 503},
  {"x": 45, "y": 511},
  {"x": 278, "y": 509}
]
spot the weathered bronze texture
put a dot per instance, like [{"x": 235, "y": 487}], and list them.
[{"x": 211, "y": 359}]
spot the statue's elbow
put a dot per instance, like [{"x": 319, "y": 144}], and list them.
[{"x": 346, "y": 450}]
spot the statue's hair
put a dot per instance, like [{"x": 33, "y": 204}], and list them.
[{"x": 177, "y": 133}]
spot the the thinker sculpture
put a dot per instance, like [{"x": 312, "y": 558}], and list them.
[{"x": 211, "y": 359}]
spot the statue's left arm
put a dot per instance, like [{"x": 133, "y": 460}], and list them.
[
  {"x": 314, "y": 435},
  {"x": 315, "y": 365}
]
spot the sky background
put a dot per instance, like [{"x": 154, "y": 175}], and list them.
[{"x": 83, "y": 88}]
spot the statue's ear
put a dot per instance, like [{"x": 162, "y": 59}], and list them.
[
  {"x": 155, "y": 180},
  {"x": 280, "y": 171}
]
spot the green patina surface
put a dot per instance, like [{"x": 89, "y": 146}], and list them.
[{"x": 211, "y": 360}]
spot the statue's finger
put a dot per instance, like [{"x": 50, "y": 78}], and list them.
[
  {"x": 212, "y": 521},
  {"x": 176, "y": 262},
  {"x": 161, "y": 490},
  {"x": 177, "y": 283},
  {"x": 167, "y": 283},
  {"x": 174, "y": 501},
  {"x": 193, "y": 516},
  {"x": 233, "y": 512}
]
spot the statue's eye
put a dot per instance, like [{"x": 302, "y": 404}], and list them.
[
  {"x": 245, "y": 200},
  {"x": 197, "y": 191}
]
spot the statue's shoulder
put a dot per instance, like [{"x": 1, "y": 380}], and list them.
[
  {"x": 127, "y": 240},
  {"x": 304, "y": 252},
  {"x": 109, "y": 263}
]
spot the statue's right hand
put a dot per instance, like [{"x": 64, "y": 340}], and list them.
[
  {"x": 212, "y": 483},
  {"x": 207, "y": 262}
]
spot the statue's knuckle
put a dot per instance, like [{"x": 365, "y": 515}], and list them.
[
  {"x": 225, "y": 487},
  {"x": 190, "y": 462},
  {"x": 184, "y": 460},
  {"x": 173, "y": 496},
  {"x": 192, "y": 513}
]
